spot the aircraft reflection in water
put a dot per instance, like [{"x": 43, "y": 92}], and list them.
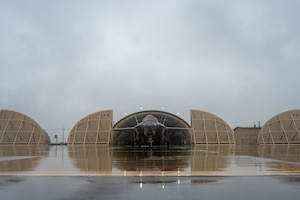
[
  {"x": 187, "y": 159},
  {"x": 151, "y": 131}
]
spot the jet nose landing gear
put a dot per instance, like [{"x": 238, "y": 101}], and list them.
[{"x": 150, "y": 141}]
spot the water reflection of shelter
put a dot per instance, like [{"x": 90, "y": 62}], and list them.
[
  {"x": 103, "y": 158},
  {"x": 21, "y": 158},
  {"x": 270, "y": 157},
  {"x": 281, "y": 157},
  {"x": 94, "y": 158},
  {"x": 91, "y": 157},
  {"x": 210, "y": 157}
]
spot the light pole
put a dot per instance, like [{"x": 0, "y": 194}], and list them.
[{"x": 63, "y": 135}]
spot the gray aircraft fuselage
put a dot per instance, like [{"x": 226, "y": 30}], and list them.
[{"x": 151, "y": 129}]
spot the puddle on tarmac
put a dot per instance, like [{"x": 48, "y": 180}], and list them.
[{"x": 177, "y": 160}]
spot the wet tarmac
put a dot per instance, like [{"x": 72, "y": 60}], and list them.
[{"x": 181, "y": 172}]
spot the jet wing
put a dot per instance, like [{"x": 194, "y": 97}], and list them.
[
  {"x": 178, "y": 129},
  {"x": 123, "y": 129}
]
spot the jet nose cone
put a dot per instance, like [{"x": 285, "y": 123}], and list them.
[{"x": 149, "y": 124}]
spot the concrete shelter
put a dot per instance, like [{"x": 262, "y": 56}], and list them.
[
  {"x": 283, "y": 128},
  {"x": 17, "y": 128}
]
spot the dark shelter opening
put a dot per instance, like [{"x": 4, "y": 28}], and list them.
[{"x": 166, "y": 128}]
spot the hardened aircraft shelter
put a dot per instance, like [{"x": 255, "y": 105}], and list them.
[
  {"x": 92, "y": 129},
  {"x": 205, "y": 128},
  {"x": 210, "y": 129},
  {"x": 283, "y": 128},
  {"x": 17, "y": 128},
  {"x": 169, "y": 120}
]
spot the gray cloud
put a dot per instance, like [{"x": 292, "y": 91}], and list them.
[{"x": 62, "y": 60}]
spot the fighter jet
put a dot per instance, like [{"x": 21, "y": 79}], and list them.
[{"x": 150, "y": 130}]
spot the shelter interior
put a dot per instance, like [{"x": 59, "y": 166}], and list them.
[{"x": 178, "y": 137}]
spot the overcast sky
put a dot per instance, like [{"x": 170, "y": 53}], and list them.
[{"x": 62, "y": 60}]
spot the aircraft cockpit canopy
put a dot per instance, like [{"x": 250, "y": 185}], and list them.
[{"x": 150, "y": 118}]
